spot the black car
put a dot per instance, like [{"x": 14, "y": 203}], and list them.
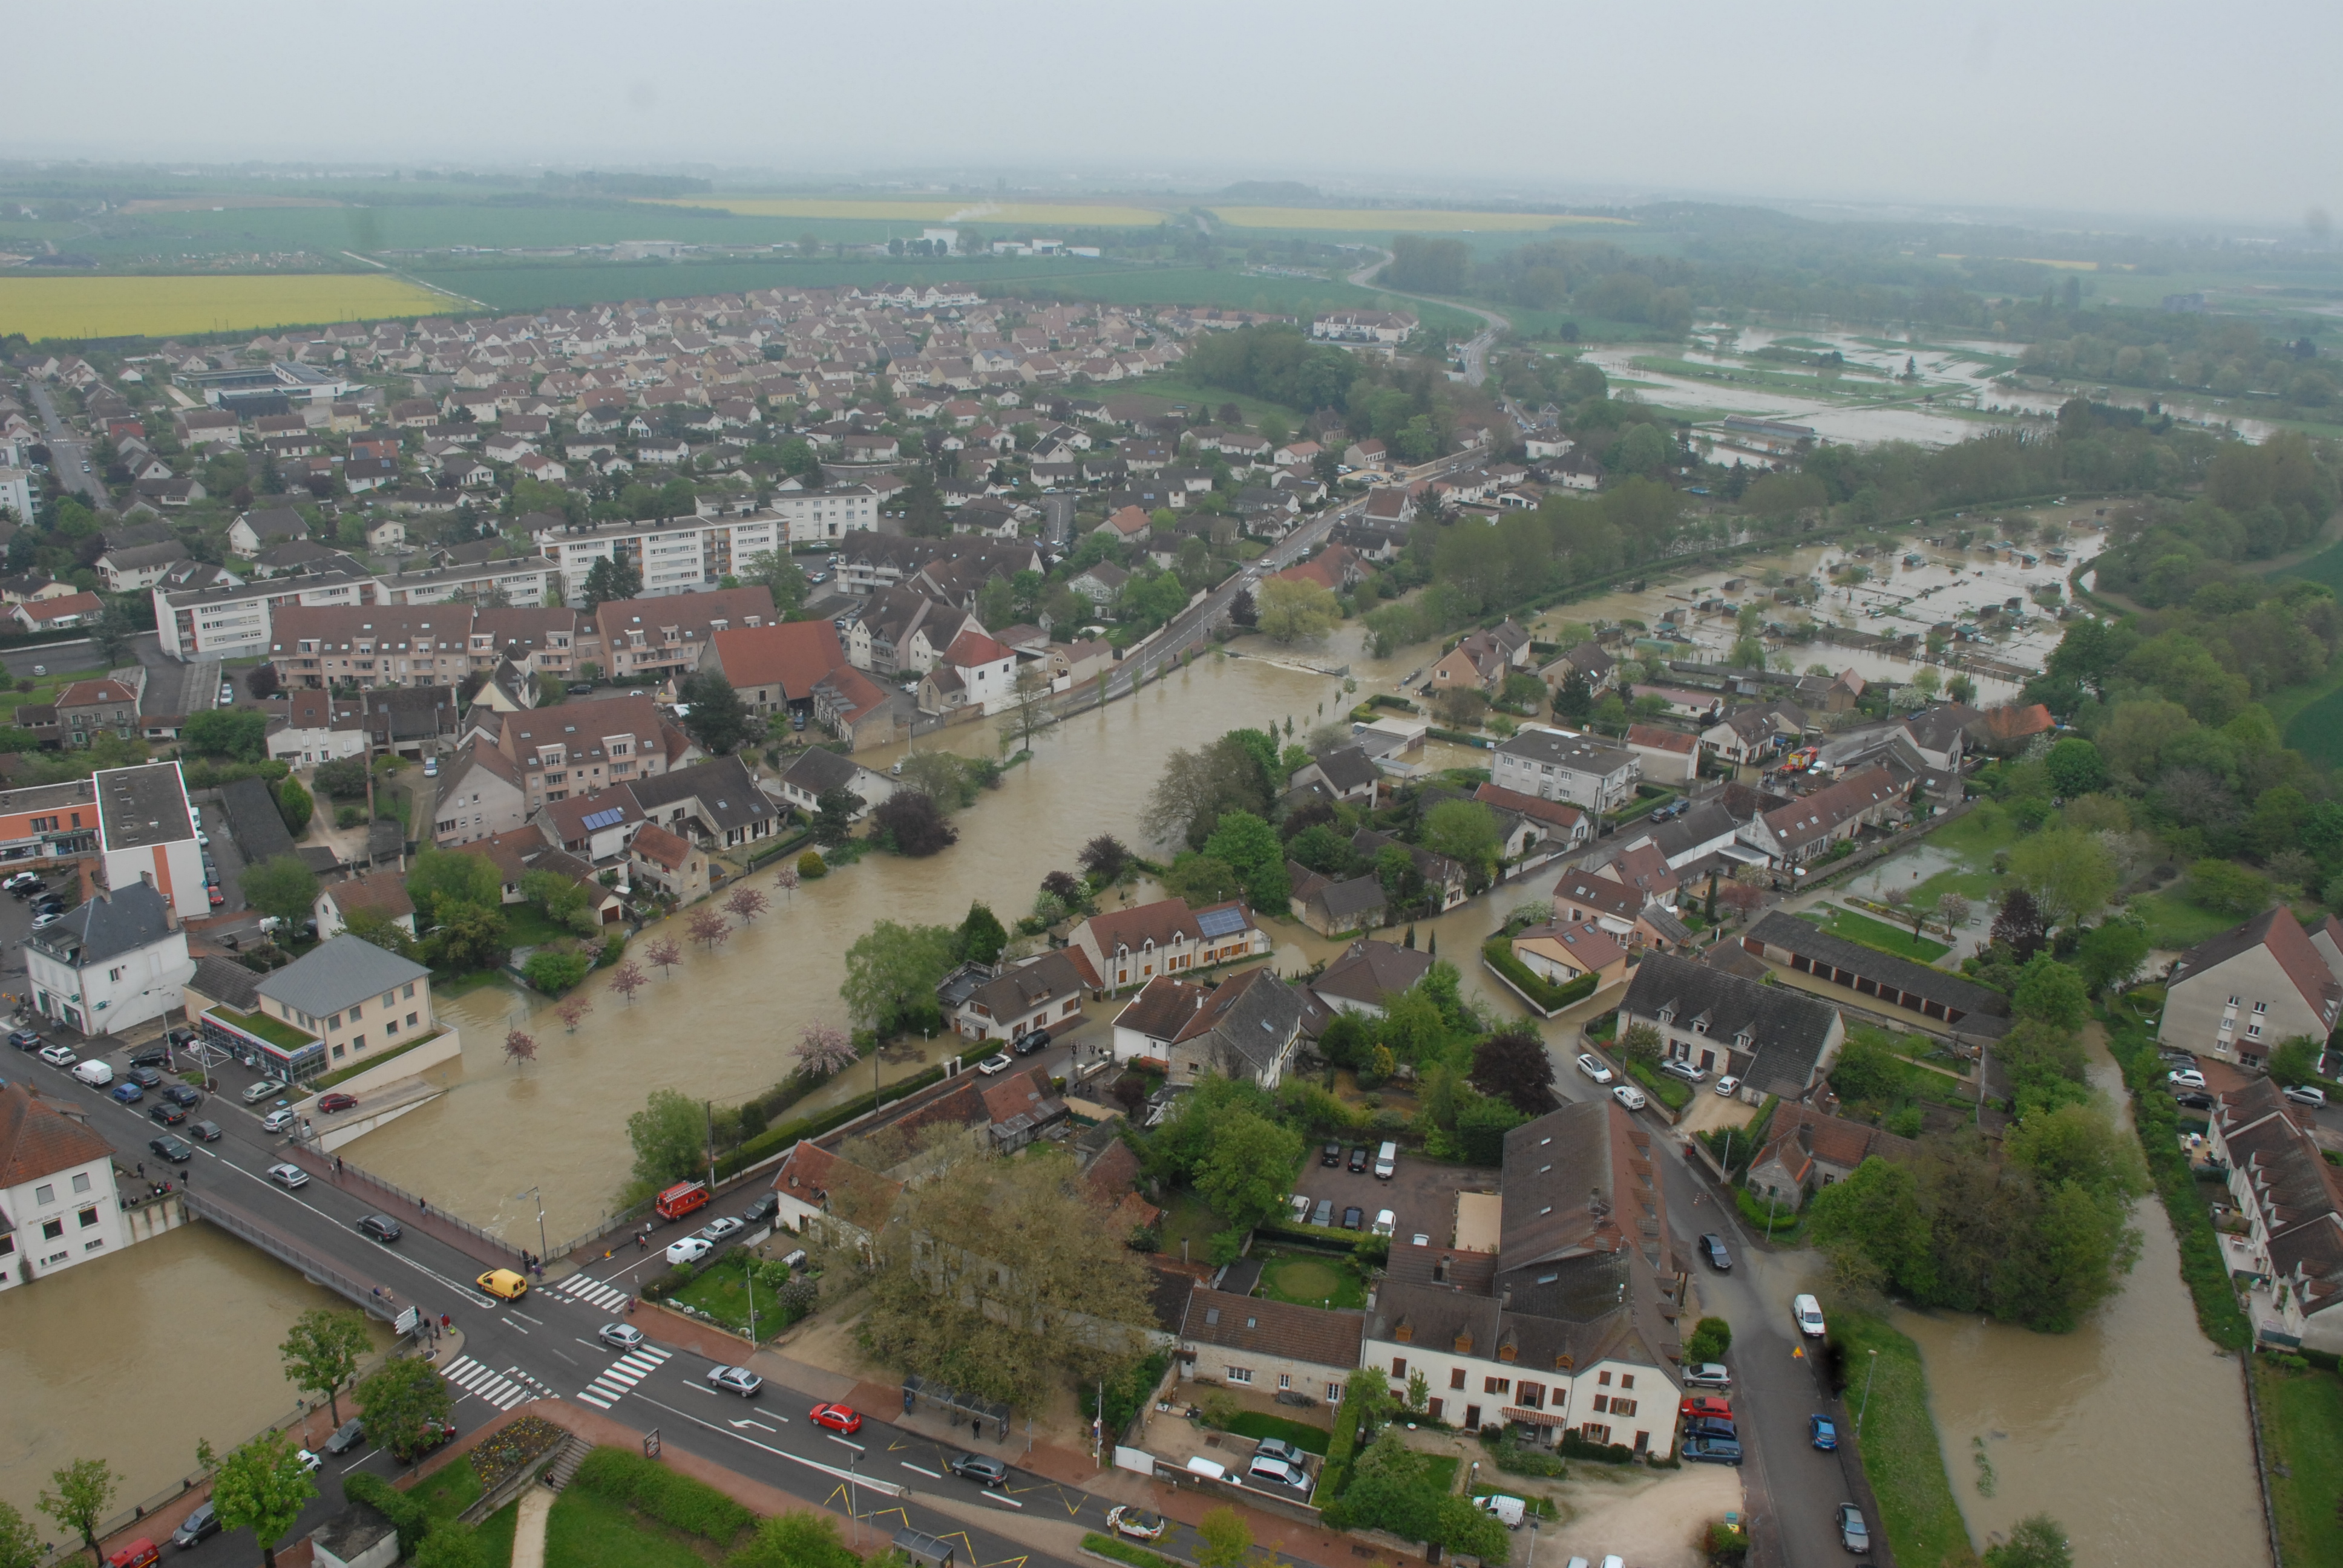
[
  {"x": 168, "y": 1114},
  {"x": 1711, "y": 1450},
  {"x": 185, "y": 1094},
  {"x": 1351, "y": 1218},
  {"x": 976, "y": 1467},
  {"x": 766, "y": 1205},
  {"x": 178, "y": 1150},
  {"x": 152, "y": 1056},
  {"x": 1711, "y": 1247},
  {"x": 51, "y": 905},
  {"x": 1712, "y": 1426},
  {"x": 1358, "y": 1158},
  {"x": 198, "y": 1527},
  {"x": 346, "y": 1436},
  {"x": 145, "y": 1076},
  {"x": 2194, "y": 1100},
  {"x": 29, "y": 890},
  {"x": 381, "y": 1227},
  {"x": 1032, "y": 1040},
  {"x": 1330, "y": 1155},
  {"x": 203, "y": 1131}
]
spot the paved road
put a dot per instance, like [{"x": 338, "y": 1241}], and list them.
[
  {"x": 1792, "y": 1488},
  {"x": 1475, "y": 352},
  {"x": 67, "y": 450},
  {"x": 545, "y": 1345}
]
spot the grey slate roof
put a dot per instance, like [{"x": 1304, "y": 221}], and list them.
[
  {"x": 1368, "y": 972},
  {"x": 338, "y": 973},
  {"x": 226, "y": 982},
  {"x": 107, "y": 926},
  {"x": 1787, "y": 1029},
  {"x": 1779, "y": 930},
  {"x": 253, "y": 822},
  {"x": 726, "y": 793},
  {"x": 819, "y": 771}
]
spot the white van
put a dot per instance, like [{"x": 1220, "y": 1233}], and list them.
[
  {"x": 1809, "y": 1313},
  {"x": 1200, "y": 1465},
  {"x": 95, "y": 1073},
  {"x": 1386, "y": 1162},
  {"x": 1508, "y": 1510}
]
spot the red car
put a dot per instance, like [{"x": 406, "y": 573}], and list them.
[
  {"x": 331, "y": 1103},
  {"x": 837, "y": 1417},
  {"x": 1704, "y": 1407}
]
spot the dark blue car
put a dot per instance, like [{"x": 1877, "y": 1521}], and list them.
[
  {"x": 1822, "y": 1430},
  {"x": 128, "y": 1093}
]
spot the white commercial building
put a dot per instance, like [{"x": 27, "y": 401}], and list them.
[
  {"x": 146, "y": 833},
  {"x": 114, "y": 962}
]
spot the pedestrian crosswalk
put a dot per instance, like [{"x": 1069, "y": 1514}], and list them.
[
  {"x": 593, "y": 1291},
  {"x": 621, "y": 1375},
  {"x": 503, "y": 1390}
]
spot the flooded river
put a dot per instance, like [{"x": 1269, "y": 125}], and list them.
[
  {"x": 2131, "y": 1432},
  {"x": 137, "y": 1359}
]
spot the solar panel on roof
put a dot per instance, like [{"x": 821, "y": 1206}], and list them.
[
  {"x": 1220, "y": 922},
  {"x": 609, "y": 819}
]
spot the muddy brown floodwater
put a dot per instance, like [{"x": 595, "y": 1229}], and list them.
[
  {"x": 134, "y": 1359},
  {"x": 2131, "y": 1431}
]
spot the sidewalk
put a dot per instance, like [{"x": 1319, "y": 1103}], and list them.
[{"x": 403, "y": 1206}]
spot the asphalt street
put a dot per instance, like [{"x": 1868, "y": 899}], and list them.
[
  {"x": 545, "y": 1345},
  {"x": 1792, "y": 1488}
]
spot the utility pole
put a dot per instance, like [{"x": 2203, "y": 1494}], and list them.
[{"x": 1866, "y": 1408}]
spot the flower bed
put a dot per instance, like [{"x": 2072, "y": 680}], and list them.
[{"x": 514, "y": 1450}]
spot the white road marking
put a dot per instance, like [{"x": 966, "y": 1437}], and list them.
[{"x": 906, "y": 1464}]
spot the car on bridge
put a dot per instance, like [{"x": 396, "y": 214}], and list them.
[{"x": 288, "y": 1176}]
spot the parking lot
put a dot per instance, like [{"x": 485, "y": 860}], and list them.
[{"x": 1422, "y": 1193}]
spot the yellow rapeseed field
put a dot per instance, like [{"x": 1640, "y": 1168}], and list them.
[
  {"x": 165, "y": 306},
  {"x": 1070, "y": 214},
  {"x": 1395, "y": 220}
]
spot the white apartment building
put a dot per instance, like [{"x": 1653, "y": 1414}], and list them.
[
  {"x": 114, "y": 963},
  {"x": 57, "y": 1188},
  {"x": 146, "y": 833},
  {"x": 691, "y": 555},
  {"x": 234, "y": 622},
  {"x": 17, "y": 494}
]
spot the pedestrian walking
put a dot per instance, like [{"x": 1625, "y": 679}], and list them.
[
  {"x": 142, "y": 1169},
  {"x": 337, "y": 1164}
]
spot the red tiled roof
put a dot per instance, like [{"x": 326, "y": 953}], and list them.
[
  {"x": 39, "y": 1136},
  {"x": 71, "y": 604},
  {"x": 971, "y": 648},
  {"x": 794, "y": 655},
  {"x": 661, "y": 848},
  {"x": 1660, "y": 739}
]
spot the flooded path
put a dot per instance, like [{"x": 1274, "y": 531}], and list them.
[{"x": 2131, "y": 1432}]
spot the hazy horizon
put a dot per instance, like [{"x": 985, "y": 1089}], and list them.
[{"x": 2138, "y": 111}]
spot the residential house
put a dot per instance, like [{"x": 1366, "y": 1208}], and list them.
[
  {"x": 1044, "y": 992},
  {"x": 2241, "y": 995},
  {"x": 58, "y": 1202},
  {"x": 1246, "y": 1025},
  {"x": 256, "y": 531},
  {"x": 1748, "y": 736},
  {"x": 2291, "y": 1200},
  {"x": 1665, "y": 756},
  {"x": 1807, "y": 1150},
  {"x": 1020, "y": 1108},
  {"x": 1588, "y": 662},
  {"x": 1447, "y": 880},
  {"x": 1580, "y": 897},
  {"x": 1130, "y": 947},
  {"x": 1367, "y": 975},
  {"x": 1775, "y": 1040},
  {"x": 579, "y": 748},
  {"x": 1268, "y": 1347},
  {"x": 1344, "y": 773},
  {"x": 1564, "y": 825},
  {"x": 668, "y": 863},
  {"x": 653, "y": 640},
  {"x": 1807, "y": 827},
  {"x": 381, "y": 892},
  {"x": 1559, "y": 765},
  {"x": 116, "y": 960},
  {"x": 593, "y": 827},
  {"x": 480, "y": 795},
  {"x": 144, "y": 832},
  {"x": 776, "y": 667},
  {"x": 88, "y": 708},
  {"x": 132, "y": 567},
  {"x": 58, "y": 614},
  {"x": 717, "y": 803},
  {"x": 1558, "y": 952},
  {"x": 975, "y": 671},
  {"x": 826, "y": 1196},
  {"x": 343, "y": 1003},
  {"x": 1335, "y": 909}
]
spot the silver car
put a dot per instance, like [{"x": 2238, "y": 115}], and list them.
[{"x": 620, "y": 1336}]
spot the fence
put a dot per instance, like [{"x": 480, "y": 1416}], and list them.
[
  {"x": 287, "y": 1251},
  {"x": 320, "y": 1163}
]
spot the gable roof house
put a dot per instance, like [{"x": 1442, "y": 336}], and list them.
[
  {"x": 383, "y": 891},
  {"x": 1253, "y": 1343},
  {"x": 1134, "y": 946},
  {"x": 1567, "y": 826},
  {"x": 114, "y": 963},
  {"x": 816, "y": 771},
  {"x": 1808, "y": 1150},
  {"x": 1558, "y": 953},
  {"x": 668, "y": 861},
  {"x": 58, "y": 1204},
  {"x": 824, "y": 1194},
  {"x": 717, "y": 803},
  {"x": 1571, "y": 1325},
  {"x": 1808, "y": 827},
  {"x": 1244, "y": 1027},
  {"x": 1024, "y": 997},
  {"x": 667, "y": 635},
  {"x": 1962, "y": 1006},
  {"x": 2292, "y": 1200},
  {"x": 2240, "y": 994},
  {"x": 1665, "y": 756},
  {"x": 1559, "y": 765},
  {"x": 1347, "y": 773},
  {"x": 1368, "y": 974},
  {"x": 777, "y": 667},
  {"x": 1776, "y": 1041}
]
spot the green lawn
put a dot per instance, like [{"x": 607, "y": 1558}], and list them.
[
  {"x": 723, "y": 1293},
  {"x": 1312, "y": 1281},
  {"x": 2174, "y": 923},
  {"x": 589, "y": 1531},
  {"x": 2302, "y": 1438},
  {"x": 1673, "y": 1091},
  {"x": 1879, "y": 934},
  {"x": 1188, "y": 1218},
  {"x": 495, "y": 1535},
  {"x": 1900, "y": 1456},
  {"x": 450, "y": 1489},
  {"x": 1255, "y": 1424}
]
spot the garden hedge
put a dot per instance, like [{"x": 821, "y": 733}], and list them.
[
  {"x": 657, "y": 1492},
  {"x": 1497, "y": 952}
]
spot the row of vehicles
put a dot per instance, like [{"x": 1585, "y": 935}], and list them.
[{"x": 1386, "y": 1159}]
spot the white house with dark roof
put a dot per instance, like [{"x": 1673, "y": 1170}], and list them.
[
  {"x": 1559, "y": 765},
  {"x": 112, "y": 963},
  {"x": 2242, "y": 993},
  {"x": 1808, "y": 827},
  {"x": 1775, "y": 1040},
  {"x": 1245, "y": 1027}
]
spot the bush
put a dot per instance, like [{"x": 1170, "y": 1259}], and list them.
[
  {"x": 1515, "y": 1460},
  {"x": 408, "y": 1513},
  {"x": 1576, "y": 1447},
  {"x": 651, "y": 1488},
  {"x": 555, "y": 973},
  {"x": 343, "y": 778},
  {"x": 349, "y": 816},
  {"x": 810, "y": 866},
  {"x": 1709, "y": 1340}
]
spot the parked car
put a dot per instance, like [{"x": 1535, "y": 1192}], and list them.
[
  {"x": 2185, "y": 1078},
  {"x": 277, "y": 1120},
  {"x": 185, "y": 1094},
  {"x": 1728, "y": 1086},
  {"x": 1139, "y": 1523},
  {"x": 1711, "y": 1247},
  {"x": 19, "y": 881},
  {"x": 997, "y": 1062},
  {"x": 346, "y": 1436},
  {"x": 288, "y": 1176},
  {"x": 1712, "y": 1451},
  {"x": 837, "y": 1417},
  {"x": 1695, "y": 1406},
  {"x": 1352, "y": 1216},
  {"x": 717, "y": 1230},
  {"x": 44, "y": 920},
  {"x": 1808, "y": 1312},
  {"x": 620, "y": 1336},
  {"x": 97, "y": 1074},
  {"x": 381, "y": 1227},
  {"x": 1385, "y": 1222},
  {"x": 980, "y": 1468},
  {"x": 58, "y": 1055},
  {"x": 143, "y": 1077},
  {"x": 690, "y": 1249},
  {"x": 267, "y": 1089},
  {"x": 735, "y": 1379},
  {"x": 178, "y": 1151},
  {"x": 334, "y": 1104},
  {"x": 1706, "y": 1374},
  {"x": 1823, "y": 1432},
  {"x": 2193, "y": 1100},
  {"x": 1326, "y": 1215},
  {"x": 196, "y": 1527},
  {"x": 1508, "y": 1511},
  {"x": 1592, "y": 1067},
  {"x": 151, "y": 1056},
  {"x": 1853, "y": 1533},
  {"x": 203, "y": 1131},
  {"x": 1676, "y": 1067},
  {"x": 1263, "y": 1468},
  {"x": 25, "y": 1039},
  {"x": 432, "y": 1435},
  {"x": 165, "y": 1114},
  {"x": 1628, "y": 1095},
  {"x": 310, "y": 1462},
  {"x": 1331, "y": 1155},
  {"x": 127, "y": 1092},
  {"x": 1358, "y": 1158},
  {"x": 1032, "y": 1040},
  {"x": 1278, "y": 1448},
  {"x": 766, "y": 1205},
  {"x": 1712, "y": 1426},
  {"x": 2303, "y": 1094}
]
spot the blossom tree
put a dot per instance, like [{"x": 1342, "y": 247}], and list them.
[
  {"x": 666, "y": 952},
  {"x": 822, "y": 1049}
]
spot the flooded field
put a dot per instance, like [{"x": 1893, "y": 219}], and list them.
[{"x": 138, "y": 1357}]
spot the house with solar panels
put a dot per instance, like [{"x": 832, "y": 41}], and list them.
[{"x": 1128, "y": 947}]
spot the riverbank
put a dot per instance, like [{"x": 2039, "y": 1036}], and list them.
[{"x": 1902, "y": 1459}]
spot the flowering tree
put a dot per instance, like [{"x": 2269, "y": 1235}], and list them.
[
  {"x": 628, "y": 978},
  {"x": 747, "y": 903},
  {"x": 708, "y": 926},
  {"x": 1741, "y": 898},
  {"x": 520, "y": 1049},
  {"x": 573, "y": 1013},
  {"x": 787, "y": 878},
  {"x": 823, "y": 1048},
  {"x": 666, "y": 952}
]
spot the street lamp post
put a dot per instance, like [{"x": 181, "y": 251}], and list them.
[
  {"x": 538, "y": 1194},
  {"x": 1866, "y": 1409},
  {"x": 853, "y": 1509},
  {"x": 748, "y": 1278}
]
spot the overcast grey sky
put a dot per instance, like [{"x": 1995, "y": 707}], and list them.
[{"x": 2115, "y": 107}]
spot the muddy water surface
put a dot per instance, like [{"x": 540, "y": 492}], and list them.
[
  {"x": 137, "y": 1358},
  {"x": 2131, "y": 1431}
]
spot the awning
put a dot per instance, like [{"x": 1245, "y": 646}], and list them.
[{"x": 1533, "y": 1417}]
